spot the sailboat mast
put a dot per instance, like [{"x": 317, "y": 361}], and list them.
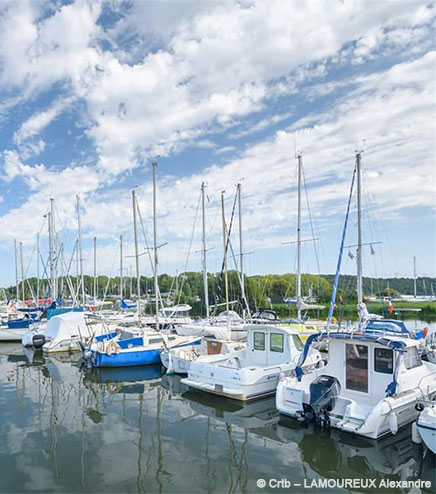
[
  {"x": 203, "y": 215},
  {"x": 156, "y": 286},
  {"x": 37, "y": 268},
  {"x": 51, "y": 233},
  {"x": 22, "y": 272},
  {"x": 121, "y": 267},
  {"x": 17, "y": 288},
  {"x": 300, "y": 165},
  {"x": 79, "y": 226},
  {"x": 226, "y": 280},
  {"x": 138, "y": 284},
  {"x": 414, "y": 276},
  {"x": 241, "y": 252},
  {"x": 359, "y": 230},
  {"x": 95, "y": 270}
]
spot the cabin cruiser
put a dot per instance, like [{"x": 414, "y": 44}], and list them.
[
  {"x": 368, "y": 387},
  {"x": 227, "y": 325},
  {"x": 252, "y": 372},
  {"x": 178, "y": 360},
  {"x": 168, "y": 317},
  {"x": 426, "y": 424}
]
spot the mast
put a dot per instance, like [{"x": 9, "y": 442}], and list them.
[
  {"x": 37, "y": 268},
  {"x": 17, "y": 288},
  {"x": 359, "y": 234},
  {"x": 414, "y": 276},
  {"x": 22, "y": 272},
  {"x": 138, "y": 284},
  {"x": 241, "y": 253},
  {"x": 53, "y": 284},
  {"x": 121, "y": 267},
  {"x": 156, "y": 286},
  {"x": 206, "y": 291},
  {"x": 226, "y": 280},
  {"x": 79, "y": 225},
  {"x": 95, "y": 270},
  {"x": 300, "y": 165}
]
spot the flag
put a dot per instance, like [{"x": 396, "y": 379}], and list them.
[
  {"x": 391, "y": 307},
  {"x": 372, "y": 250},
  {"x": 340, "y": 299},
  {"x": 350, "y": 255}
]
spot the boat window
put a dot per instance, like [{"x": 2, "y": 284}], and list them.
[
  {"x": 412, "y": 358},
  {"x": 259, "y": 341},
  {"x": 276, "y": 342},
  {"x": 356, "y": 367},
  {"x": 383, "y": 360},
  {"x": 154, "y": 340},
  {"x": 171, "y": 337},
  {"x": 299, "y": 345}
]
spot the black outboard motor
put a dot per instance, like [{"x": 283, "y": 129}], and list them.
[
  {"x": 323, "y": 393},
  {"x": 38, "y": 340}
]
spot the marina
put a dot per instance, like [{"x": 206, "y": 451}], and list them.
[
  {"x": 144, "y": 422},
  {"x": 217, "y": 247}
]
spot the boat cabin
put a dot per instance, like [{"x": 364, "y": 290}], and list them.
[
  {"x": 368, "y": 367},
  {"x": 271, "y": 345}
]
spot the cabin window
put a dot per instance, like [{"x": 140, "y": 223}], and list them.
[
  {"x": 259, "y": 341},
  {"x": 356, "y": 367},
  {"x": 412, "y": 358},
  {"x": 299, "y": 345},
  {"x": 276, "y": 342},
  {"x": 383, "y": 360},
  {"x": 171, "y": 337},
  {"x": 154, "y": 340}
]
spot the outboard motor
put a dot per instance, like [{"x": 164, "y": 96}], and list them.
[
  {"x": 323, "y": 393},
  {"x": 38, "y": 340}
]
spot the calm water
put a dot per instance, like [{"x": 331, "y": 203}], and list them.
[{"x": 65, "y": 429}]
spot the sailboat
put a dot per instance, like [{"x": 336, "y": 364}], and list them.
[
  {"x": 373, "y": 377},
  {"x": 304, "y": 326}
]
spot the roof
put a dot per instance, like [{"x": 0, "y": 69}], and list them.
[
  {"x": 394, "y": 342},
  {"x": 270, "y": 328}
]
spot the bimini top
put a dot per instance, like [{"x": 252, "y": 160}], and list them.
[{"x": 387, "y": 326}]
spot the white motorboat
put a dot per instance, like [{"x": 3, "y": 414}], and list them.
[
  {"x": 227, "y": 325},
  {"x": 169, "y": 317},
  {"x": 369, "y": 386},
  {"x": 252, "y": 372},
  {"x": 178, "y": 360},
  {"x": 426, "y": 423}
]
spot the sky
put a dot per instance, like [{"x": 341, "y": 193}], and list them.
[{"x": 220, "y": 92}]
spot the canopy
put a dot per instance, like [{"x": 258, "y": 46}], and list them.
[{"x": 67, "y": 325}]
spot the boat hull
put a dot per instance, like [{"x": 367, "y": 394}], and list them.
[{"x": 126, "y": 359}]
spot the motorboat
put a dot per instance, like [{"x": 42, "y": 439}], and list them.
[
  {"x": 426, "y": 424},
  {"x": 178, "y": 360},
  {"x": 252, "y": 372},
  {"x": 227, "y": 325},
  {"x": 133, "y": 347},
  {"x": 368, "y": 387},
  {"x": 169, "y": 317}
]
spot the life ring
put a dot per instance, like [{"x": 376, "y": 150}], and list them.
[{"x": 112, "y": 347}]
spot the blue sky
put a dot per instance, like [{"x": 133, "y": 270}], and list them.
[{"x": 221, "y": 92}]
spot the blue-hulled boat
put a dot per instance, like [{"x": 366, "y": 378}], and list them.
[{"x": 134, "y": 348}]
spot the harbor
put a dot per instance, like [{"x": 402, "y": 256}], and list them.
[
  {"x": 217, "y": 247},
  {"x": 123, "y": 430}
]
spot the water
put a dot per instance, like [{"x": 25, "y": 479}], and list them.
[{"x": 66, "y": 429}]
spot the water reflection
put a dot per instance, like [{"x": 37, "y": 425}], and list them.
[{"x": 67, "y": 428}]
